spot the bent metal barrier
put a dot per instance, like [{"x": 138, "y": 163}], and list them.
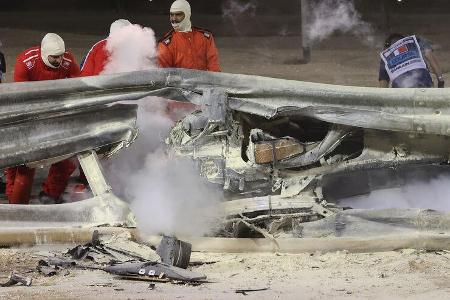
[{"x": 49, "y": 120}]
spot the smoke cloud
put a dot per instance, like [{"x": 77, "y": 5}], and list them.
[
  {"x": 132, "y": 48},
  {"x": 427, "y": 195},
  {"x": 410, "y": 79},
  {"x": 330, "y": 16},
  {"x": 165, "y": 193},
  {"x": 238, "y": 12}
]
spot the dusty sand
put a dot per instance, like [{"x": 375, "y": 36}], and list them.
[
  {"x": 405, "y": 274},
  {"x": 402, "y": 274}
]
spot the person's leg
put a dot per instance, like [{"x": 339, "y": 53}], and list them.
[
  {"x": 19, "y": 182},
  {"x": 58, "y": 177},
  {"x": 82, "y": 178},
  {"x": 10, "y": 176}
]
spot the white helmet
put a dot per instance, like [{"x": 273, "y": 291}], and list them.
[
  {"x": 52, "y": 44},
  {"x": 185, "y": 7}
]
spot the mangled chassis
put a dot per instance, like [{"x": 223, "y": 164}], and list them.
[
  {"x": 377, "y": 134},
  {"x": 291, "y": 187}
]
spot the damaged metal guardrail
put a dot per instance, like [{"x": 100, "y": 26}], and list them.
[
  {"x": 40, "y": 121},
  {"x": 414, "y": 110}
]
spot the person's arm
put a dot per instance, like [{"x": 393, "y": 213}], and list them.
[
  {"x": 212, "y": 57},
  {"x": 74, "y": 68},
  {"x": 2, "y": 63},
  {"x": 383, "y": 84},
  {"x": 20, "y": 71},
  {"x": 431, "y": 60},
  {"x": 88, "y": 65},
  {"x": 435, "y": 67},
  {"x": 165, "y": 59},
  {"x": 383, "y": 77}
]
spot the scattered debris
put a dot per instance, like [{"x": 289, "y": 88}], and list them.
[
  {"x": 144, "y": 278},
  {"x": 442, "y": 253},
  {"x": 201, "y": 263},
  {"x": 105, "y": 249},
  {"x": 123, "y": 245},
  {"x": 174, "y": 252},
  {"x": 154, "y": 269},
  {"x": 189, "y": 283},
  {"x": 60, "y": 262},
  {"x": 15, "y": 278},
  {"x": 120, "y": 256},
  {"x": 102, "y": 284},
  {"x": 44, "y": 268},
  {"x": 245, "y": 291}
]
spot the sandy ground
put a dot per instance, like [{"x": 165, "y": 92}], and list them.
[
  {"x": 402, "y": 274},
  {"x": 405, "y": 274}
]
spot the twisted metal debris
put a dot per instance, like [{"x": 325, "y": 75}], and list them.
[{"x": 398, "y": 129}]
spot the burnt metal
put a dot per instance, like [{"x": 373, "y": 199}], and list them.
[
  {"x": 59, "y": 108},
  {"x": 345, "y": 130},
  {"x": 174, "y": 252},
  {"x": 15, "y": 278},
  {"x": 153, "y": 269}
]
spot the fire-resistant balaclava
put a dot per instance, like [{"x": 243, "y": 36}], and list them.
[
  {"x": 185, "y": 25},
  {"x": 118, "y": 24},
  {"x": 52, "y": 44}
]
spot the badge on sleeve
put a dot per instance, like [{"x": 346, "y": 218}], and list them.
[{"x": 66, "y": 64}]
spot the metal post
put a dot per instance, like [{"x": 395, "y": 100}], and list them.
[
  {"x": 93, "y": 171},
  {"x": 304, "y": 13}
]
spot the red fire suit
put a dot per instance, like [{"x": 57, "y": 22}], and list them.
[
  {"x": 95, "y": 60},
  {"x": 189, "y": 50},
  {"x": 94, "y": 63},
  {"x": 19, "y": 180}
]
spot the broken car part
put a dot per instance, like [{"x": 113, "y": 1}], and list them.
[
  {"x": 353, "y": 139},
  {"x": 174, "y": 252},
  {"x": 154, "y": 269},
  {"x": 118, "y": 255},
  {"x": 15, "y": 278}
]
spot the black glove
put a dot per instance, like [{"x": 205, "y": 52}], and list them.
[{"x": 441, "y": 84}]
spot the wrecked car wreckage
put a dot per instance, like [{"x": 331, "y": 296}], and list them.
[{"x": 284, "y": 152}]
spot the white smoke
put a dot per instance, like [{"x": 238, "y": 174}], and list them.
[
  {"x": 166, "y": 194},
  {"x": 233, "y": 9},
  {"x": 238, "y": 12},
  {"x": 330, "y": 16},
  {"x": 153, "y": 126},
  {"x": 132, "y": 48},
  {"x": 428, "y": 195},
  {"x": 410, "y": 79}
]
